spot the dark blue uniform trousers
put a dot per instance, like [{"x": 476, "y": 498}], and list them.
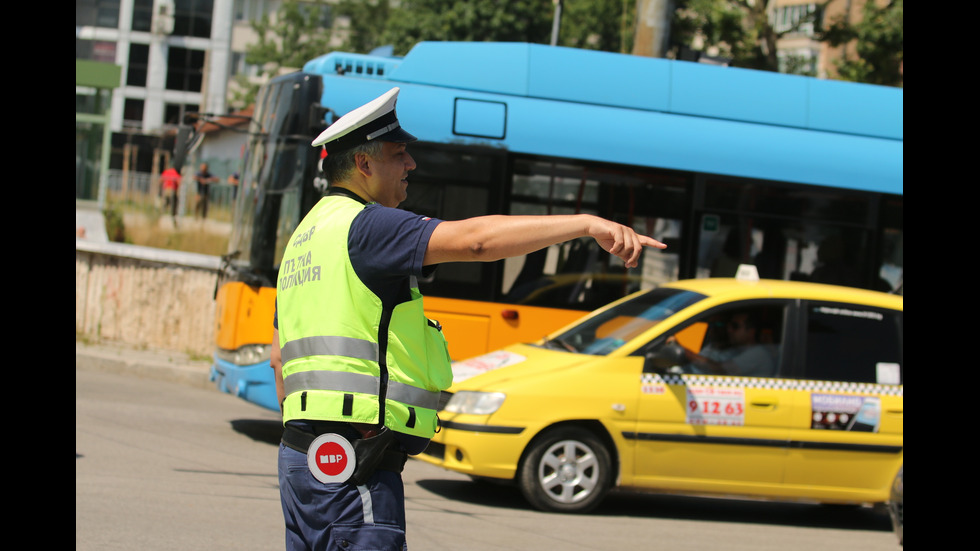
[{"x": 328, "y": 517}]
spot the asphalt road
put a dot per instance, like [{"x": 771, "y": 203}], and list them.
[{"x": 162, "y": 465}]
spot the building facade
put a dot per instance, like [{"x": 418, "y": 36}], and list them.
[{"x": 176, "y": 57}]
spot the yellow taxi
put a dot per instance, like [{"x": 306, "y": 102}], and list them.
[{"x": 769, "y": 389}]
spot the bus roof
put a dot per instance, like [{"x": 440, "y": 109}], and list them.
[{"x": 854, "y": 132}]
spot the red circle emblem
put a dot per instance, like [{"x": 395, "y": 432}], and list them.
[{"x": 331, "y": 458}]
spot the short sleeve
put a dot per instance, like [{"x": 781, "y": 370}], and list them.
[{"x": 386, "y": 242}]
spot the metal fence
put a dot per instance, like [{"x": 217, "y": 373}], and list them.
[{"x": 141, "y": 190}]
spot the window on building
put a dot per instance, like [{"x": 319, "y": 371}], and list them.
[
  {"x": 173, "y": 113},
  {"x": 185, "y": 69},
  {"x": 133, "y": 113},
  {"x": 240, "y": 67},
  {"x": 248, "y": 10},
  {"x": 142, "y": 15},
  {"x": 797, "y": 19},
  {"x": 193, "y": 18},
  {"x": 92, "y": 100},
  {"x": 325, "y": 13},
  {"x": 97, "y": 13},
  {"x": 237, "y": 63},
  {"x": 88, "y": 149},
  {"x": 95, "y": 50},
  {"x": 798, "y": 61},
  {"x": 138, "y": 66}
]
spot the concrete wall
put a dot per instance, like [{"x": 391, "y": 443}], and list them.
[{"x": 144, "y": 297}]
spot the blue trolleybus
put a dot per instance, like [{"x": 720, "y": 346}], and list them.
[{"x": 799, "y": 176}]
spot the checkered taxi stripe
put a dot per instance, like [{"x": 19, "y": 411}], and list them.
[{"x": 777, "y": 384}]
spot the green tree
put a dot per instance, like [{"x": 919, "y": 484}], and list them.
[
  {"x": 469, "y": 21},
  {"x": 367, "y": 21},
  {"x": 300, "y": 31},
  {"x": 739, "y": 29},
  {"x": 878, "y": 39},
  {"x": 589, "y": 24},
  {"x": 606, "y": 25}
]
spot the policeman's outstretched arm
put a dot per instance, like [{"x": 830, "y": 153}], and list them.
[{"x": 494, "y": 237}]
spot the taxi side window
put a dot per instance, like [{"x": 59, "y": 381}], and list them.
[
  {"x": 744, "y": 340},
  {"x": 853, "y": 344}
]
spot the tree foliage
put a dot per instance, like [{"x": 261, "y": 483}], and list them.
[
  {"x": 589, "y": 24},
  {"x": 468, "y": 21},
  {"x": 300, "y": 31},
  {"x": 367, "y": 21},
  {"x": 879, "y": 50},
  {"x": 739, "y": 30},
  {"x": 605, "y": 25},
  {"x": 742, "y": 31}
]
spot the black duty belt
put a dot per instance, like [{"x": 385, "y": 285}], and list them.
[{"x": 392, "y": 458}]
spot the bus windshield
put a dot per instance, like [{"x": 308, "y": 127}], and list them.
[{"x": 278, "y": 162}]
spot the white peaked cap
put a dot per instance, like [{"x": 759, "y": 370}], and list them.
[{"x": 375, "y": 120}]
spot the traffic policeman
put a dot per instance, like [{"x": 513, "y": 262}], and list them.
[{"x": 359, "y": 367}]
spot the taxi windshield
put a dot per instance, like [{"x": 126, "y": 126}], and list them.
[{"x": 611, "y": 329}]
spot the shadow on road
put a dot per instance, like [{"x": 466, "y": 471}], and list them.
[
  {"x": 488, "y": 494},
  {"x": 649, "y": 505},
  {"x": 260, "y": 430}
]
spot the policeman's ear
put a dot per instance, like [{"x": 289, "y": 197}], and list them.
[{"x": 362, "y": 164}]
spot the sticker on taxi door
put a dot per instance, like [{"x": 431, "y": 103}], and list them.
[
  {"x": 845, "y": 412},
  {"x": 708, "y": 405}
]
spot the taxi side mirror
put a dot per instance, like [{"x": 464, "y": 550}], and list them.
[{"x": 662, "y": 358}]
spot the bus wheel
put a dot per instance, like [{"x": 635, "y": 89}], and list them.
[{"x": 566, "y": 470}]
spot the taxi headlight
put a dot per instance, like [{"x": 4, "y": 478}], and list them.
[{"x": 476, "y": 403}]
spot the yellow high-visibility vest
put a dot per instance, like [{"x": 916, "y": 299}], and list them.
[{"x": 346, "y": 357}]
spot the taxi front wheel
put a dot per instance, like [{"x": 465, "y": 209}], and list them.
[{"x": 567, "y": 470}]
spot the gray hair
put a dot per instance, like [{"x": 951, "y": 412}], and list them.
[{"x": 340, "y": 166}]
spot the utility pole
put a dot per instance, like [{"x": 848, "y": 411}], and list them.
[
  {"x": 556, "y": 22},
  {"x": 652, "y": 27}
]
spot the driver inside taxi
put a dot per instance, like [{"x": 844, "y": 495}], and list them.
[{"x": 742, "y": 356}]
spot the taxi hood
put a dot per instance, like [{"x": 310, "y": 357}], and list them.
[{"x": 518, "y": 360}]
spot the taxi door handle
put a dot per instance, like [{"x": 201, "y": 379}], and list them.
[{"x": 770, "y": 403}]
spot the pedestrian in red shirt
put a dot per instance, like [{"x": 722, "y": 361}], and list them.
[{"x": 170, "y": 182}]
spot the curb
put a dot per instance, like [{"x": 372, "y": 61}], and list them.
[{"x": 160, "y": 365}]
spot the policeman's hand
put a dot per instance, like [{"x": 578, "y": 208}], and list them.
[{"x": 621, "y": 240}]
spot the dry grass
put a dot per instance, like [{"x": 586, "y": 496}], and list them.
[
  {"x": 192, "y": 239},
  {"x": 150, "y": 229}
]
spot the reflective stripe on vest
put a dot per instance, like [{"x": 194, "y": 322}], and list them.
[
  {"x": 356, "y": 382},
  {"x": 330, "y": 346}
]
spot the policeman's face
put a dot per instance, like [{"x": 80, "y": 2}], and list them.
[{"x": 389, "y": 174}]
